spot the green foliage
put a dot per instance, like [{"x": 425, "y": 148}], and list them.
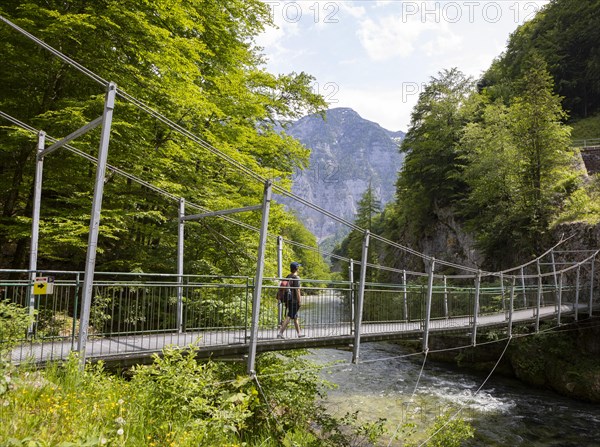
[
  {"x": 369, "y": 216},
  {"x": 177, "y": 401},
  {"x": 348, "y": 431},
  {"x": 313, "y": 264},
  {"x": 448, "y": 431},
  {"x": 564, "y": 34},
  {"x": 196, "y": 62},
  {"x": 14, "y": 321},
  {"x": 583, "y": 205},
  {"x": 586, "y": 128},
  {"x": 179, "y": 388},
  {"x": 518, "y": 167},
  {"x": 431, "y": 175}
]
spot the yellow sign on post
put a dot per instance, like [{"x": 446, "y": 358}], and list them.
[{"x": 44, "y": 285}]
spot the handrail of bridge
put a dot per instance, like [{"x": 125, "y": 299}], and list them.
[
  {"x": 560, "y": 242},
  {"x": 137, "y": 317},
  {"x": 564, "y": 270},
  {"x": 586, "y": 142},
  {"x": 136, "y": 274}
]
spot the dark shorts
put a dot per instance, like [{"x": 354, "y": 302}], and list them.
[{"x": 292, "y": 309}]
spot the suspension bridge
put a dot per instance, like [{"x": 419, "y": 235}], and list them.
[
  {"x": 133, "y": 316},
  {"x": 119, "y": 316}
]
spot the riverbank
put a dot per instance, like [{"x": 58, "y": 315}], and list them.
[{"x": 565, "y": 360}]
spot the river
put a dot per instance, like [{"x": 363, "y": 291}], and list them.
[{"x": 392, "y": 384}]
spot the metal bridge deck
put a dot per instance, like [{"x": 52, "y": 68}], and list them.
[{"x": 139, "y": 348}]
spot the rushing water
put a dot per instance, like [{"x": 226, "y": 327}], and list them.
[{"x": 393, "y": 385}]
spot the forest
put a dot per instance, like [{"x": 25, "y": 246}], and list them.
[
  {"x": 197, "y": 64},
  {"x": 495, "y": 154}
]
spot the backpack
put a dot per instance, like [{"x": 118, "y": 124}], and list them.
[{"x": 284, "y": 293}]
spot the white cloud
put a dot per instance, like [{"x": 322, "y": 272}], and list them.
[
  {"x": 354, "y": 11},
  {"x": 442, "y": 44},
  {"x": 388, "y": 37},
  {"x": 401, "y": 35},
  {"x": 390, "y": 108}
]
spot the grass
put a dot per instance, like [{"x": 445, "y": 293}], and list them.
[
  {"x": 586, "y": 128},
  {"x": 583, "y": 205},
  {"x": 176, "y": 402}
]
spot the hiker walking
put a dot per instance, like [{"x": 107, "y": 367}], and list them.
[{"x": 292, "y": 300}]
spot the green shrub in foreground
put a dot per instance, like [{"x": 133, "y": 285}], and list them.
[
  {"x": 177, "y": 401},
  {"x": 14, "y": 321}
]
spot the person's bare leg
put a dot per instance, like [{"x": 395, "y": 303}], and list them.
[
  {"x": 284, "y": 326},
  {"x": 297, "y": 325}
]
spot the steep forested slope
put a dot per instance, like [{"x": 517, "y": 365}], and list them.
[
  {"x": 565, "y": 33},
  {"x": 196, "y": 63},
  {"x": 489, "y": 168}
]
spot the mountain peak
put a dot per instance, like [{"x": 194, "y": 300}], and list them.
[{"x": 348, "y": 154}]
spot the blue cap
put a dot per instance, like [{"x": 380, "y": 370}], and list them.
[{"x": 295, "y": 265}]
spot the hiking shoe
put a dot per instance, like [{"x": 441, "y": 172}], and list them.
[
  {"x": 301, "y": 336},
  {"x": 280, "y": 336}
]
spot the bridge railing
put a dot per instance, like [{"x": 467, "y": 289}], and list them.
[
  {"x": 587, "y": 142},
  {"x": 137, "y": 312},
  {"x": 129, "y": 312},
  {"x": 53, "y": 329},
  {"x": 388, "y": 305}
]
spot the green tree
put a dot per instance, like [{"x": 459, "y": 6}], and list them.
[
  {"x": 369, "y": 206},
  {"x": 565, "y": 34},
  {"x": 430, "y": 178},
  {"x": 544, "y": 149},
  {"x": 518, "y": 168},
  {"x": 197, "y": 63},
  {"x": 368, "y": 217},
  {"x": 306, "y": 252},
  {"x": 430, "y": 182}
]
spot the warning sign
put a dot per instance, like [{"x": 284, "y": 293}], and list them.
[{"x": 43, "y": 285}]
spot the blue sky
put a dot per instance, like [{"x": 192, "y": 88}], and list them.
[{"x": 375, "y": 56}]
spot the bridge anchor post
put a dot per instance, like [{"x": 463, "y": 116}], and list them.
[
  {"x": 262, "y": 245},
  {"x": 428, "y": 306},
  {"x": 361, "y": 298}
]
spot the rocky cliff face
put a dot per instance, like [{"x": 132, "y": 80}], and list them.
[
  {"x": 347, "y": 154},
  {"x": 581, "y": 240}
]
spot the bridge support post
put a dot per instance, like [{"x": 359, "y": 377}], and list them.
[
  {"x": 428, "y": 305},
  {"x": 476, "y": 309},
  {"x": 539, "y": 299},
  {"x": 180, "y": 252},
  {"x": 405, "y": 293},
  {"x": 280, "y": 276},
  {"x": 511, "y": 306},
  {"x": 90, "y": 264},
  {"x": 554, "y": 272},
  {"x": 591, "y": 287},
  {"x": 577, "y": 292},
  {"x": 542, "y": 299},
  {"x": 360, "y": 298},
  {"x": 559, "y": 309},
  {"x": 446, "y": 314},
  {"x": 502, "y": 293},
  {"x": 35, "y": 224},
  {"x": 266, "y": 206},
  {"x": 523, "y": 287},
  {"x": 352, "y": 294}
]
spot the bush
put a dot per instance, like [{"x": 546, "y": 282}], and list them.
[{"x": 14, "y": 321}]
